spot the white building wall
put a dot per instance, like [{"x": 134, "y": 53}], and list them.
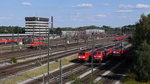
[
  {"x": 36, "y": 26},
  {"x": 98, "y": 31}
]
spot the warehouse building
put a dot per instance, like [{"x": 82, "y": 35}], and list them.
[
  {"x": 96, "y": 31},
  {"x": 36, "y": 25}
]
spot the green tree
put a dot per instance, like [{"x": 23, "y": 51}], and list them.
[
  {"x": 142, "y": 49},
  {"x": 142, "y": 31},
  {"x": 142, "y": 62},
  {"x": 58, "y": 31},
  {"x": 11, "y": 29}
]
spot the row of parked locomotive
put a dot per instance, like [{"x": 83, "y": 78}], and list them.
[
  {"x": 34, "y": 42},
  {"x": 10, "y": 40},
  {"x": 30, "y": 42},
  {"x": 102, "y": 53}
]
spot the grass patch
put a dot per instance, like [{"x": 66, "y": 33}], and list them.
[
  {"x": 36, "y": 72},
  {"x": 130, "y": 79},
  {"x": 134, "y": 82}
]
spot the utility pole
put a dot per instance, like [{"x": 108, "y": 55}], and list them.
[
  {"x": 93, "y": 46},
  {"x": 12, "y": 39},
  {"x": 60, "y": 67},
  {"x": 33, "y": 32},
  {"x": 39, "y": 35},
  {"x": 49, "y": 48},
  {"x": 121, "y": 39}
]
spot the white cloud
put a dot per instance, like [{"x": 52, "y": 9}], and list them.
[
  {"x": 84, "y": 5},
  {"x": 100, "y": 15},
  {"x": 125, "y": 6},
  {"x": 124, "y": 11},
  {"x": 26, "y": 4},
  {"x": 142, "y": 6},
  {"x": 139, "y": 6}
]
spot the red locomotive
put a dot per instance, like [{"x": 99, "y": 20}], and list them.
[
  {"x": 99, "y": 55},
  {"x": 118, "y": 52},
  {"x": 121, "y": 38},
  {"x": 10, "y": 40},
  {"x": 34, "y": 42},
  {"x": 103, "y": 53},
  {"x": 109, "y": 49},
  {"x": 85, "y": 55}
]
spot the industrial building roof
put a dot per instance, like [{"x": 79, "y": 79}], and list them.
[{"x": 9, "y": 35}]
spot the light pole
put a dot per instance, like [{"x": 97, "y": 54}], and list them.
[{"x": 49, "y": 48}]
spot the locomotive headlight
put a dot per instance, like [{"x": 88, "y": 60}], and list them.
[
  {"x": 115, "y": 52},
  {"x": 81, "y": 57},
  {"x": 97, "y": 56}
]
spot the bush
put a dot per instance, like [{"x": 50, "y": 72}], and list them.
[
  {"x": 13, "y": 60},
  {"x": 142, "y": 63}
]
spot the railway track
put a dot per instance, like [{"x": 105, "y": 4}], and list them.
[
  {"x": 70, "y": 73},
  {"x": 27, "y": 52},
  {"x": 16, "y": 68},
  {"x": 13, "y": 69},
  {"x": 80, "y": 70},
  {"x": 111, "y": 73},
  {"x": 116, "y": 75},
  {"x": 87, "y": 79},
  {"x": 54, "y": 43},
  {"x": 31, "y": 53},
  {"x": 75, "y": 70},
  {"x": 55, "y": 75}
]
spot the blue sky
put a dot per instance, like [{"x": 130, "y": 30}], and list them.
[{"x": 74, "y": 13}]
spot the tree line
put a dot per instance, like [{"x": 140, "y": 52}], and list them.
[
  {"x": 11, "y": 29},
  {"x": 141, "y": 44},
  {"x": 58, "y": 30}
]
